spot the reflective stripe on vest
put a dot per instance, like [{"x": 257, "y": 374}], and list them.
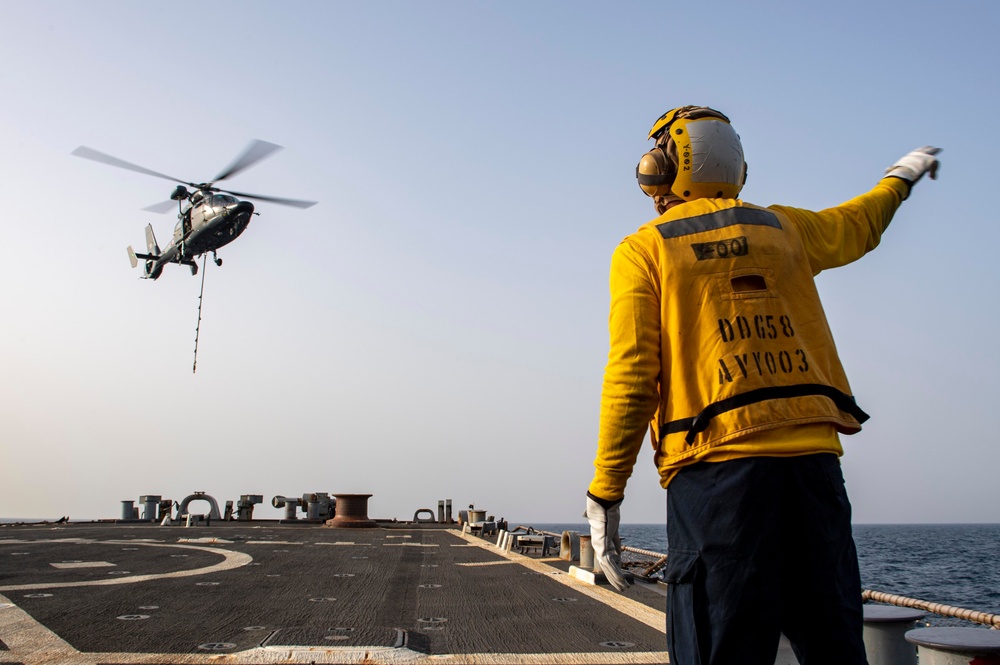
[
  {"x": 718, "y": 220},
  {"x": 698, "y": 424}
]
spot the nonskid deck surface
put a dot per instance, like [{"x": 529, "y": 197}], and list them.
[{"x": 240, "y": 593}]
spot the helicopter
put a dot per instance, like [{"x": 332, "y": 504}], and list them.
[{"x": 208, "y": 217}]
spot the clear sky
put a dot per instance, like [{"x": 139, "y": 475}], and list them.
[{"x": 437, "y": 326}]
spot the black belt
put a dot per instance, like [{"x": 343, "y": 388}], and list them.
[{"x": 699, "y": 423}]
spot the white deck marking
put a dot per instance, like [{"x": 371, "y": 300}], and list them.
[
  {"x": 653, "y": 618},
  {"x": 29, "y": 641},
  {"x": 230, "y": 560},
  {"x": 206, "y": 541},
  {"x": 83, "y": 564}
]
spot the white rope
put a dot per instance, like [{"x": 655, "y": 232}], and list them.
[{"x": 992, "y": 620}]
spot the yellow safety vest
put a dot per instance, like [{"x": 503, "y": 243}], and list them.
[
  {"x": 745, "y": 343},
  {"x": 718, "y": 336}
]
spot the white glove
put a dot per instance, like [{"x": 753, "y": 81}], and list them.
[
  {"x": 604, "y": 537},
  {"x": 913, "y": 165}
]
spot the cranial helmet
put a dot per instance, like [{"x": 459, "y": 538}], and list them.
[{"x": 697, "y": 155}]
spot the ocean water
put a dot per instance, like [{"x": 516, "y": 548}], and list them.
[{"x": 954, "y": 564}]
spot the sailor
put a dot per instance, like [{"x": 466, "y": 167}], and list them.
[{"x": 719, "y": 345}]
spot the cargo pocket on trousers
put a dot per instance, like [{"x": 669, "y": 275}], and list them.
[{"x": 682, "y": 634}]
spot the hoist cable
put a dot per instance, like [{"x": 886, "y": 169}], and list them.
[{"x": 197, "y": 330}]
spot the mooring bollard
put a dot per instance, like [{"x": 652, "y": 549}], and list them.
[
  {"x": 956, "y": 646},
  {"x": 884, "y": 634},
  {"x": 569, "y": 546},
  {"x": 352, "y": 512}
]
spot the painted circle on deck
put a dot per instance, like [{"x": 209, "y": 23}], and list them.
[
  {"x": 217, "y": 646},
  {"x": 230, "y": 560}
]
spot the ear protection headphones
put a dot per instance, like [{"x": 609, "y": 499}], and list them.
[{"x": 697, "y": 155}]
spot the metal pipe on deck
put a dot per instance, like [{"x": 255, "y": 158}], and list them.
[
  {"x": 290, "y": 504},
  {"x": 150, "y": 503}
]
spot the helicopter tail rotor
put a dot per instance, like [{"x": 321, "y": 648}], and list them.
[{"x": 149, "y": 270}]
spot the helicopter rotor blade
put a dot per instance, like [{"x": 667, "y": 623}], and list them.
[
  {"x": 162, "y": 207},
  {"x": 97, "y": 156},
  {"x": 253, "y": 153},
  {"x": 295, "y": 203}
]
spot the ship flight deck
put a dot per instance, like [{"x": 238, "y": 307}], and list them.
[{"x": 235, "y": 592}]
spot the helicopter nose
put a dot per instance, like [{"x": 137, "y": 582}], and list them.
[{"x": 243, "y": 208}]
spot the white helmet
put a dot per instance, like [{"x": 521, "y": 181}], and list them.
[{"x": 697, "y": 155}]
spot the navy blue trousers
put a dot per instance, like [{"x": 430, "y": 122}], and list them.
[{"x": 758, "y": 547}]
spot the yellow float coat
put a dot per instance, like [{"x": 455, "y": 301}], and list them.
[{"x": 714, "y": 313}]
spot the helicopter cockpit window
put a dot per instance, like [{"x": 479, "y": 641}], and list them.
[{"x": 221, "y": 200}]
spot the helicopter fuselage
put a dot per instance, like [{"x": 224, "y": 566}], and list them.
[{"x": 211, "y": 222}]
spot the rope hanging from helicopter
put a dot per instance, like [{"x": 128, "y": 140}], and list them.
[{"x": 197, "y": 329}]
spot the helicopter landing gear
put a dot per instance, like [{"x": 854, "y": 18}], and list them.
[{"x": 217, "y": 260}]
